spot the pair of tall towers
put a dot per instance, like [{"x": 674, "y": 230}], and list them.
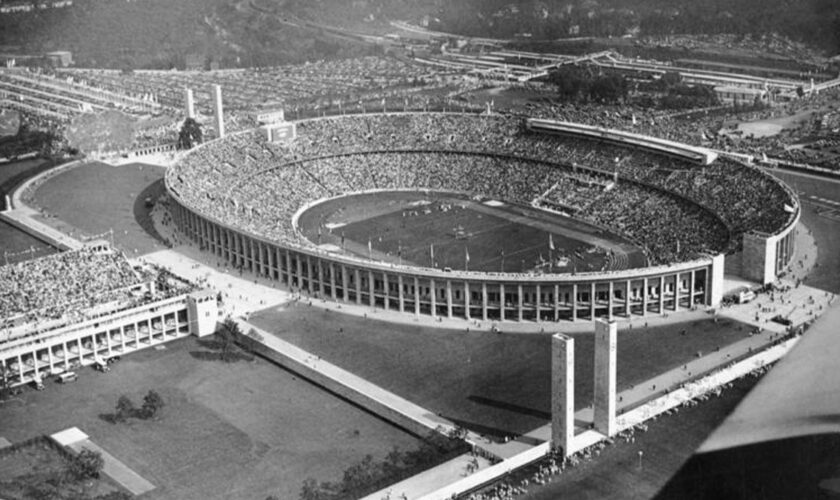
[
  {"x": 218, "y": 109},
  {"x": 563, "y": 386}
]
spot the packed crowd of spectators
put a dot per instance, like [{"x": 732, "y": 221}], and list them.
[
  {"x": 714, "y": 128},
  {"x": 675, "y": 209},
  {"x": 317, "y": 83},
  {"x": 47, "y": 288}
]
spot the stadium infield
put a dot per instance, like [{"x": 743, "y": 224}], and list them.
[
  {"x": 94, "y": 198},
  {"x": 449, "y": 230},
  {"x": 494, "y": 384},
  {"x": 246, "y": 429}
]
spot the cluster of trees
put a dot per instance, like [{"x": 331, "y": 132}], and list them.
[
  {"x": 167, "y": 34},
  {"x": 125, "y": 409},
  {"x": 814, "y": 21},
  {"x": 368, "y": 476},
  {"x": 669, "y": 92},
  {"x": 190, "y": 134},
  {"x": 582, "y": 84},
  {"x": 72, "y": 481},
  {"x": 46, "y": 142}
]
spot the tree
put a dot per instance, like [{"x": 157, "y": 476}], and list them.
[
  {"x": 227, "y": 337},
  {"x": 125, "y": 409},
  {"x": 86, "y": 465},
  {"x": 152, "y": 403},
  {"x": 190, "y": 134},
  {"x": 5, "y": 384}
]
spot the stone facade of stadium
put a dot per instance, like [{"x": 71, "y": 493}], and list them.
[
  {"x": 469, "y": 295},
  {"x": 484, "y": 296}
]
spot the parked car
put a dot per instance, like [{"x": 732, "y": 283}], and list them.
[{"x": 68, "y": 377}]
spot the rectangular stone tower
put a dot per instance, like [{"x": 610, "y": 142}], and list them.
[
  {"x": 605, "y": 376},
  {"x": 218, "y": 109},
  {"x": 202, "y": 312},
  {"x": 562, "y": 393},
  {"x": 189, "y": 104}
]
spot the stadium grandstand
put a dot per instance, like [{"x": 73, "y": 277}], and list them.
[
  {"x": 241, "y": 198},
  {"x": 84, "y": 306}
]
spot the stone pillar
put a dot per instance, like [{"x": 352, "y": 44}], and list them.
[
  {"x": 386, "y": 292},
  {"x": 574, "y": 301},
  {"x": 556, "y": 302},
  {"x": 592, "y": 301},
  {"x": 484, "y": 301},
  {"x": 677, "y": 292},
  {"x": 467, "y": 300},
  {"x": 448, "y": 298},
  {"x": 627, "y": 304},
  {"x": 691, "y": 284},
  {"x": 519, "y": 302},
  {"x": 502, "y": 302},
  {"x": 344, "y": 291},
  {"x": 299, "y": 271},
  {"x": 400, "y": 294},
  {"x": 538, "y": 302},
  {"x": 606, "y": 339},
  {"x": 562, "y": 394},
  {"x": 358, "y": 276},
  {"x": 645, "y": 297},
  {"x": 310, "y": 286},
  {"x": 371, "y": 290},
  {"x": 416, "y": 296},
  {"x": 189, "y": 104},
  {"x": 288, "y": 259},
  {"x": 218, "y": 110},
  {"x": 333, "y": 291},
  {"x": 661, "y": 294},
  {"x": 610, "y": 301},
  {"x": 433, "y": 297}
]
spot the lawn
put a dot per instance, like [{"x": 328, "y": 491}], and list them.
[
  {"x": 496, "y": 238},
  {"x": 497, "y": 384},
  {"x": 94, "y": 198},
  {"x": 228, "y": 430}
]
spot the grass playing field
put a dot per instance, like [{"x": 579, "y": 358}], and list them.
[
  {"x": 496, "y": 384},
  {"x": 94, "y": 198},
  {"x": 228, "y": 430},
  {"x": 445, "y": 230}
]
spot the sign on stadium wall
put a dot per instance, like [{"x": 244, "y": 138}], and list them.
[
  {"x": 270, "y": 117},
  {"x": 280, "y": 132}
]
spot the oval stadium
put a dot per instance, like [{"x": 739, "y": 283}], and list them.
[{"x": 484, "y": 216}]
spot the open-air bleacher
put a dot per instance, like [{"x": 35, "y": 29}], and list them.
[{"x": 259, "y": 186}]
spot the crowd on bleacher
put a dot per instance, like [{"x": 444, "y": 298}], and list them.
[
  {"x": 49, "y": 287},
  {"x": 664, "y": 204},
  {"x": 311, "y": 84},
  {"x": 714, "y": 127}
]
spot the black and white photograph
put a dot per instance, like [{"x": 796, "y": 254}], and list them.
[{"x": 419, "y": 249}]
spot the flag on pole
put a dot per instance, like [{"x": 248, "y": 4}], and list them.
[
  {"x": 432, "y": 253},
  {"x": 550, "y": 242},
  {"x": 466, "y": 254},
  {"x": 370, "y": 248}
]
